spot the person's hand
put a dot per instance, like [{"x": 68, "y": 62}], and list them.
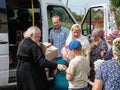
[
  {"x": 103, "y": 53},
  {"x": 90, "y": 82},
  {"x": 61, "y": 67},
  {"x": 94, "y": 44}
]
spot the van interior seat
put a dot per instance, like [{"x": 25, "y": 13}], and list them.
[{"x": 38, "y": 21}]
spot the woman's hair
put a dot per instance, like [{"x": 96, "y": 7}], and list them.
[
  {"x": 31, "y": 31},
  {"x": 116, "y": 49},
  {"x": 75, "y": 27}
]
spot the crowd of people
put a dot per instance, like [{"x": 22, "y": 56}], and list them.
[{"x": 79, "y": 64}]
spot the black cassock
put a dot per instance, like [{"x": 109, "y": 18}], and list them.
[{"x": 31, "y": 73}]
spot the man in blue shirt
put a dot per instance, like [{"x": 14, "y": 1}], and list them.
[{"x": 58, "y": 35}]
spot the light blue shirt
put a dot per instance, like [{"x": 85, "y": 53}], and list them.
[{"x": 59, "y": 38}]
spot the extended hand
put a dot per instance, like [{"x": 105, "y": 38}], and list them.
[{"x": 61, "y": 67}]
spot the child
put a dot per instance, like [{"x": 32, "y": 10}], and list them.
[
  {"x": 60, "y": 81},
  {"x": 77, "y": 72}
]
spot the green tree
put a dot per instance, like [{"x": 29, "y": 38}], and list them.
[
  {"x": 115, "y": 3},
  {"x": 77, "y": 17},
  {"x": 115, "y": 6}
]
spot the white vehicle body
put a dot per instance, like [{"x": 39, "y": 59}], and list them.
[
  {"x": 98, "y": 17},
  {"x": 46, "y": 9}
]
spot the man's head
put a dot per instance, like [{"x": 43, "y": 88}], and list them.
[
  {"x": 56, "y": 22},
  {"x": 34, "y": 33}
]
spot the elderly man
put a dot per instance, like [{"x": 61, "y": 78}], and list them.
[{"x": 31, "y": 73}]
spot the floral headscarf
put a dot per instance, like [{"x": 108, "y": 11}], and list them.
[
  {"x": 112, "y": 34},
  {"x": 97, "y": 32},
  {"x": 116, "y": 49}
]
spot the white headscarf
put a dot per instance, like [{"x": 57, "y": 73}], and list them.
[
  {"x": 83, "y": 39},
  {"x": 69, "y": 39}
]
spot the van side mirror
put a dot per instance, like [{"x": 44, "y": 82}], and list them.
[{"x": 90, "y": 27}]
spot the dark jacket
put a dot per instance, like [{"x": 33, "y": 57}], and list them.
[{"x": 31, "y": 73}]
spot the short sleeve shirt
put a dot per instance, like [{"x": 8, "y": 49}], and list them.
[
  {"x": 109, "y": 73},
  {"x": 59, "y": 38},
  {"x": 78, "y": 67}
]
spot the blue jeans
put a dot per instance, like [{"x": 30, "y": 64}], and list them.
[{"x": 85, "y": 88}]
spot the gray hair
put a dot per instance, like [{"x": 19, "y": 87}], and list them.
[
  {"x": 31, "y": 31},
  {"x": 98, "y": 63}
]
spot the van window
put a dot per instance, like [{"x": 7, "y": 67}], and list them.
[
  {"x": 94, "y": 19},
  {"x": 66, "y": 20},
  {"x": 3, "y": 17}
]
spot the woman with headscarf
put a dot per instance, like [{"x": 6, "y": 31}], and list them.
[
  {"x": 98, "y": 50},
  {"x": 76, "y": 34},
  {"x": 108, "y": 75},
  {"x": 110, "y": 36}
]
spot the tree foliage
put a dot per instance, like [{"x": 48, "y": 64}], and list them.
[
  {"x": 77, "y": 17},
  {"x": 115, "y": 6},
  {"x": 115, "y": 3}
]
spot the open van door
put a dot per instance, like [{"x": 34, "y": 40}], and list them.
[
  {"x": 4, "y": 51},
  {"x": 95, "y": 18},
  {"x": 15, "y": 17}
]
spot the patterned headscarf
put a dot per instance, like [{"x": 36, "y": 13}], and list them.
[
  {"x": 98, "y": 33},
  {"x": 112, "y": 34},
  {"x": 116, "y": 49}
]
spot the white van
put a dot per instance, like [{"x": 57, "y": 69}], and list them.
[{"x": 17, "y": 15}]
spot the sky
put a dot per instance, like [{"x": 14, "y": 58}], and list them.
[{"x": 79, "y": 6}]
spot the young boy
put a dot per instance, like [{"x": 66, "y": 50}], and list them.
[{"x": 77, "y": 72}]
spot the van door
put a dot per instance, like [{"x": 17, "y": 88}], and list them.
[
  {"x": 4, "y": 51},
  {"x": 95, "y": 18},
  {"x": 21, "y": 14}
]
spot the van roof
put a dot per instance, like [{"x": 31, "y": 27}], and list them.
[{"x": 27, "y": 3}]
